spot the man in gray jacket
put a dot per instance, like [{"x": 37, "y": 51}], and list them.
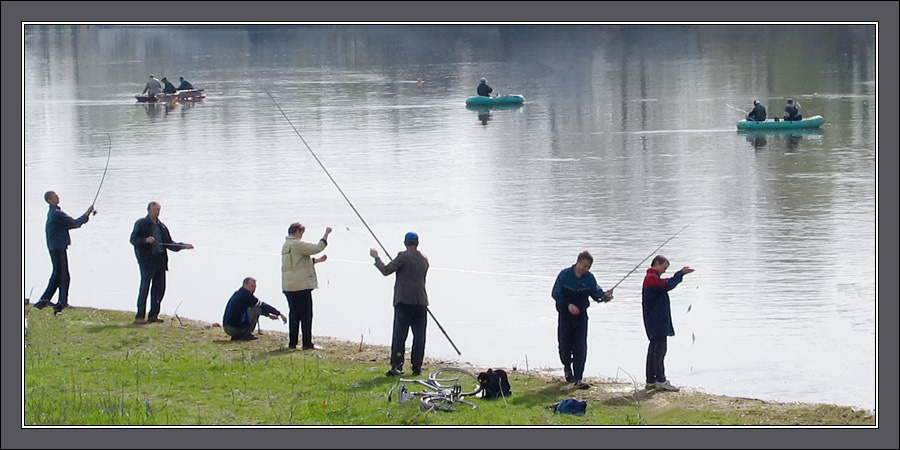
[{"x": 410, "y": 303}]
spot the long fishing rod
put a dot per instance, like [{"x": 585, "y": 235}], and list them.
[
  {"x": 109, "y": 153},
  {"x": 354, "y": 208},
  {"x": 651, "y": 254}
]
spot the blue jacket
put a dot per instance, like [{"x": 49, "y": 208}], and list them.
[
  {"x": 236, "y": 309},
  {"x": 655, "y": 303},
  {"x": 58, "y": 226},
  {"x": 570, "y": 289}
]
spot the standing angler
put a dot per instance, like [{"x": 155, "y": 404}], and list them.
[
  {"x": 658, "y": 319},
  {"x": 151, "y": 239},
  {"x": 298, "y": 279},
  {"x": 58, "y": 241},
  {"x": 571, "y": 290},
  {"x": 410, "y": 303}
]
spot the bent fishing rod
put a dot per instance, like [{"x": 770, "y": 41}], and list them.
[
  {"x": 354, "y": 208},
  {"x": 109, "y": 153},
  {"x": 651, "y": 254}
]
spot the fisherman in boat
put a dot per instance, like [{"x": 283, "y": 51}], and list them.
[
  {"x": 185, "y": 84},
  {"x": 758, "y": 113},
  {"x": 483, "y": 89},
  {"x": 169, "y": 87},
  {"x": 152, "y": 87},
  {"x": 792, "y": 111}
]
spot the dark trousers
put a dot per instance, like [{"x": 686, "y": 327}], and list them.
[
  {"x": 300, "y": 317},
  {"x": 59, "y": 278},
  {"x": 406, "y": 317},
  {"x": 656, "y": 352},
  {"x": 571, "y": 333},
  {"x": 155, "y": 275},
  {"x": 243, "y": 331}
]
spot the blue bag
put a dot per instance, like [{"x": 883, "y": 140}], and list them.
[{"x": 570, "y": 406}]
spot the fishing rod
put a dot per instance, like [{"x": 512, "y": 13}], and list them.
[
  {"x": 109, "y": 153},
  {"x": 353, "y": 207},
  {"x": 651, "y": 254}
]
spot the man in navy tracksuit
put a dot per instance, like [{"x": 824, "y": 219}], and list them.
[
  {"x": 243, "y": 310},
  {"x": 658, "y": 319},
  {"x": 571, "y": 291},
  {"x": 58, "y": 240}
]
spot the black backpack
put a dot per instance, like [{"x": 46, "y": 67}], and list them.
[{"x": 494, "y": 383}]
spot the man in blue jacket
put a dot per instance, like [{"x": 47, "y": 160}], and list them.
[
  {"x": 658, "y": 319},
  {"x": 58, "y": 241},
  {"x": 571, "y": 291},
  {"x": 243, "y": 310}
]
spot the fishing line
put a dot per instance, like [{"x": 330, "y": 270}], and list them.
[
  {"x": 353, "y": 207},
  {"x": 109, "y": 153},
  {"x": 478, "y": 272}
]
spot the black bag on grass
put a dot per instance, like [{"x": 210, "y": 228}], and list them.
[{"x": 494, "y": 383}]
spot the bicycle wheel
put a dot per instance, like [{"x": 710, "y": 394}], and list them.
[
  {"x": 449, "y": 376},
  {"x": 439, "y": 403}
]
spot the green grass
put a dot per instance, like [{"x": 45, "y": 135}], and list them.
[{"x": 93, "y": 367}]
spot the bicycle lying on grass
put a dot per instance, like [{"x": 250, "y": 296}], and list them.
[{"x": 445, "y": 390}]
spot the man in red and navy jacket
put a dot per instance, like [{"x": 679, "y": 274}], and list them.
[{"x": 658, "y": 319}]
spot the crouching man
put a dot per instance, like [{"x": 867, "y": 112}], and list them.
[{"x": 243, "y": 311}]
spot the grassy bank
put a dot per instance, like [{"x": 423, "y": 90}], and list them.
[{"x": 93, "y": 367}]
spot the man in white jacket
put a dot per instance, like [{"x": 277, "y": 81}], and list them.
[{"x": 298, "y": 279}]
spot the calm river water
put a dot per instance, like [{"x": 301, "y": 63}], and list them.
[{"x": 626, "y": 136}]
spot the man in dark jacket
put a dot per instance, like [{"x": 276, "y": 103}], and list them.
[
  {"x": 571, "y": 290},
  {"x": 58, "y": 241},
  {"x": 483, "y": 89},
  {"x": 185, "y": 84},
  {"x": 410, "y": 303},
  {"x": 758, "y": 113},
  {"x": 168, "y": 88},
  {"x": 658, "y": 319},
  {"x": 243, "y": 310},
  {"x": 151, "y": 239},
  {"x": 792, "y": 111}
]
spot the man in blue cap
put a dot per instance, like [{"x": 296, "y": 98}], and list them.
[{"x": 410, "y": 303}]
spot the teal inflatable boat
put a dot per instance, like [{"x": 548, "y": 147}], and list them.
[
  {"x": 772, "y": 124},
  {"x": 492, "y": 101}
]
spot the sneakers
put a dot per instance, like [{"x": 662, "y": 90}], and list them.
[
  {"x": 139, "y": 322},
  {"x": 155, "y": 320},
  {"x": 394, "y": 372},
  {"x": 570, "y": 378},
  {"x": 43, "y": 303},
  {"x": 313, "y": 347},
  {"x": 650, "y": 386},
  {"x": 581, "y": 385},
  {"x": 666, "y": 386},
  {"x": 417, "y": 371}
]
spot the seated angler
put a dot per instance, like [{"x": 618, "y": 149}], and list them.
[
  {"x": 185, "y": 84},
  {"x": 758, "y": 113},
  {"x": 168, "y": 88},
  {"x": 792, "y": 111},
  {"x": 243, "y": 311}
]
